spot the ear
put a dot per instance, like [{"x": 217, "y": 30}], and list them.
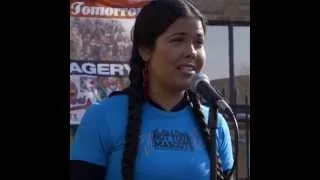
[{"x": 145, "y": 53}]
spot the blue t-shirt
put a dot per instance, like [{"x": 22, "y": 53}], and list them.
[{"x": 170, "y": 146}]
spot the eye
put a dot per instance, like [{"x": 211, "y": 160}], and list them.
[
  {"x": 177, "y": 39},
  {"x": 200, "y": 41}
]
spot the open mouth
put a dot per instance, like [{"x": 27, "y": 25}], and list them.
[{"x": 187, "y": 68}]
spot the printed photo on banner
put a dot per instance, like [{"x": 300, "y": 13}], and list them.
[
  {"x": 79, "y": 101},
  {"x": 100, "y": 49},
  {"x": 100, "y": 39}
]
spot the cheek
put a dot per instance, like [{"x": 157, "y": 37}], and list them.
[
  {"x": 163, "y": 59},
  {"x": 201, "y": 59}
]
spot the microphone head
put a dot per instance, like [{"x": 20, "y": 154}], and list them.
[{"x": 198, "y": 78}]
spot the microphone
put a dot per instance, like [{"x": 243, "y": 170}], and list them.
[{"x": 200, "y": 84}]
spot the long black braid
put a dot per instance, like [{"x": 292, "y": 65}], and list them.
[
  {"x": 134, "y": 118},
  {"x": 203, "y": 129}
]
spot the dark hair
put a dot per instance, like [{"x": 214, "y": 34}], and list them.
[{"x": 151, "y": 22}]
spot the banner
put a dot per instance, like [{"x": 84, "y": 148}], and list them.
[{"x": 100, "y": 48}]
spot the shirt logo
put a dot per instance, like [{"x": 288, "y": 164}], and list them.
[{"x": 173, "y": 140}]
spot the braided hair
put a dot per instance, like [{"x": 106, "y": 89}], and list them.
[
  {"x": 203, "y": 129},
  {"x": 157, "y": 18}
]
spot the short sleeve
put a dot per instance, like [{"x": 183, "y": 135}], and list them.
[
  {"x": 90, "y": 144},
  {"x": 224, "y": 143}
]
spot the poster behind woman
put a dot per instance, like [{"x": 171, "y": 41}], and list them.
[{"x": 100, "y": 48}]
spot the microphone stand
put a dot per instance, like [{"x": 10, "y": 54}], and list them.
[{"x": 212, "y": 124}]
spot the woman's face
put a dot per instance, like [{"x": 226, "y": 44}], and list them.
[{"x": 178, "y": 54}]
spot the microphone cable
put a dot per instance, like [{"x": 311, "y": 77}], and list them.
[{"x": 229, "y": 114}]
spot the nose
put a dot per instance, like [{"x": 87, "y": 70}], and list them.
[{"x": 191, "y": 51}]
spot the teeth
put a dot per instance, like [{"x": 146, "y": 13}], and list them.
[{"x": 186, "y": 68}]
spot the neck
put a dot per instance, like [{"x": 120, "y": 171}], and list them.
[{"x": 165, "y": 98}]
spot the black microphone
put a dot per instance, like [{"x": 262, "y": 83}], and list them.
[{"x": 200, "y": 84}]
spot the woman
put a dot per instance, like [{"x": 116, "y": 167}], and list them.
[{"x": 156, "y": 128}]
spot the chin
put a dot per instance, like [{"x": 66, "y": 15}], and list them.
[{"x": 182, "y": 85}]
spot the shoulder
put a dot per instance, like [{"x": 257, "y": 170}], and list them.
[
  {"x": 115, "y": 100},
  {"x": 117, "y": 93},
  {"x": 104, "y": 120},
  {"x": 111, "y": 103},
  {"x": 106, "y": 109}
]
